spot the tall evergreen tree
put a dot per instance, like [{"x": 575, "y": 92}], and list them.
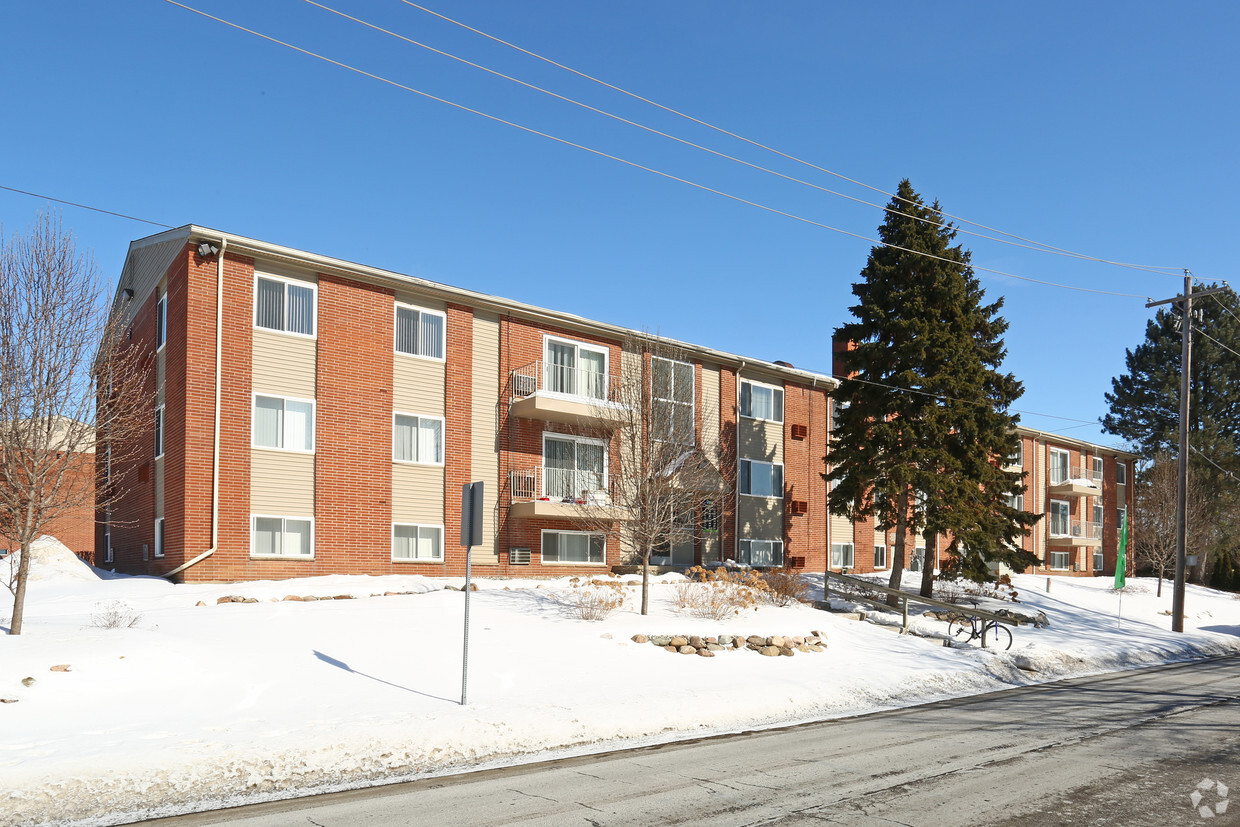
[
  {"x": 930, "y": 456},
  {"x": 1145, "y": 410}
]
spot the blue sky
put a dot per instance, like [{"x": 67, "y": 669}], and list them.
[{"x": 1105, "y": 129}]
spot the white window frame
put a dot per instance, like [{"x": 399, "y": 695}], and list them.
[
  {"x": 744, "y": 551},
  {"x": 1099, "y": 466},
  {"x": 314, "y": 315},
  {"x": 107, "y": 547},
  {"x": 443, "y": 342},
  {"x": 549, "y": 339},
  {"x": 752, "y": 384},
  {"x": 843, "y": 556},
  {"x": 284, "y": 518},
  {"x": 161, "y": 431},
  {"x": 1099, "y": 562},
  {"x": 420, "y": 527},
  {"x": 588, "y": 440},
  {"x": 917, "y": 562},
  {"x": 314, "y": 428},
  {"x": 158, "y": 545},
  {"x": 1121, "y": 472},
  {"x": 877, "y": 548},
  {"x": 1055, "y": 556},
  {"x": 161, "y": 322},
  {"x": 1067, "y": 466},
  {"x": 443, "y": 437},
  {"x": 691, "y": 404},
  {"x": 1016, "y": 501},
  {"x": 1067, "y": 515},
  {"x": 1017, "y": 458},
  {"x": 542, "y": 545},
  {"x": 775, "y": 495},
  {"x": 1121, "y": 513}
]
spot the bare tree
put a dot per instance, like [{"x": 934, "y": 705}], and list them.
[
  {"x": 57, "y": 337},
  {"x": 1154, "y": 515},
  {"x": 664, "y": 485}
]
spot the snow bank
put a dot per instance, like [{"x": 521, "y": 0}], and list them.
[
  {"x": 51, "y": 559},
  {"x": 198, "y": 706}
]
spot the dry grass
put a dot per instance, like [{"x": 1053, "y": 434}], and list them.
[
  {"x": 716, "y": 594},
  {"x": 594, "y": 599},
  {"x": 115, "y": 614},
  {"x": 785, "y": 586}
]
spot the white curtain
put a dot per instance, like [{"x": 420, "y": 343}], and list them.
[
  {"x": 561, "y": 375},
  {"x": 406, "y": 330},
  {"x": 298, "y": 425},
  {"x": 430, "y": 342},
  {"x": 267, "y": 535},
  {"x": 268, "y": 421},
  {"x": 404, "y": 542},
  {"x": 300, "y": 309},
  {"x": 297, "y": 537},
  {"x": 269, "y": 305},
  {"x": 430, "y": 440},
  {"x": 593, "y": 375},
  {"x": 403, "y": 430}
]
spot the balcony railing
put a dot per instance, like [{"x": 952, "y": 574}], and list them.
[
  {"x": 1079, "y": 476},
  {"x": 1076, "y": 532},
  {"x": 557, "y": 393},
  {"x": 542, "y": 491}
]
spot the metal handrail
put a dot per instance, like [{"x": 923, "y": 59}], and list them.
[
  {"x": 560, "y": 379},
  {"x": 561, "y": 485}
]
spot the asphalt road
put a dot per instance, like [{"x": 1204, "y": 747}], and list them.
[{"x": 1128, "y": 748}]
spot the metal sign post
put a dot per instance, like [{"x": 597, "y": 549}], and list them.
[{"x": 471, "y": 535}]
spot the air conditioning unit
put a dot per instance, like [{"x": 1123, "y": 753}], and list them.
[
  {"x": 796, "y": 562},
  {"x": 524, "y": 385},
  {"x": 1076, "y": 566},
  {"x": 799, "y": 432},
  {"x": 798, "y": 507},
  {"x": 518, "y": 556}
]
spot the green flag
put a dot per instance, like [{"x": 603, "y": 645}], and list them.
[{"x": 1121, "y": 561}]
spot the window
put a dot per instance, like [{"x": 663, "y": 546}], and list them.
[
  {"x": 1016, "y": 501},
  {"x": 282, "y": 537},
  {"x": 1059, "y": 466},
  {"x": 672, "y": 395},
  {"x": 287, "y": 306},
  {"x": 159, "y": 536},
  {"x": 574, "y": 547},
  {"x": 1059, "y": 518},
  {"x": 107, "y": 547},
  {"x": 880, "y": 557},
  {"x": 918, "y": 561},
  {"x": 419, "y": 332},
  {"x": 1098, "y": 562},
  {"x": 573, "y": 466},
  {"x": 762, "y": 479},
  {"x": 1097, "y": 470},
  {"x": 1121, "y": 473},
  {"x": 1098, "y": 512},
  {"x": 761, "y": 553},
  {"x": 284, "y": 423},
  {"x": 161, "y": 322},
  {"x": 417, "y": 439},
  {"x": 842, "y": 555},
  {"x": 762, "y": 401},
  {"x": 576, "y": 369},
  {"x": 1017, "y": 457},
  {"x": 159, "y": 432},
  {"x": 1059, "y": 560},
  {"x": 419, "y": 543},
  {"x": 1121, "y": 514}
]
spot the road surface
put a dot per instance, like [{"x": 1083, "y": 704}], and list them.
[{"x": 1127, "y": 748}]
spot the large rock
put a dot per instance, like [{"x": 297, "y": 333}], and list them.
[
  {"x": 769, "y": 651},
  {"x": 687, "y": 650},
  {"x": 661, "y": 640},
  {"x": 756, "y": 640},
  {"x": 640, "y": 639},
  {"x": 696, "y": 642},
  {"x": 706, "y": 653},
  {"x": 725, "y": 640},
  {"x": 679, "y": 641}
]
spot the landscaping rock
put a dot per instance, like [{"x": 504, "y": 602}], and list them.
[
  {"x": 755, "y": 640},
  {"x": 711, "y": 639},
  {"x": 769, "y": 651},
  {"x": 696, "y": 642},
  {"x": 706, "y": 653},
  {"x": 60, "y": 667},
  {"x": 250, "y": 600},
  {"x": 687, "y": 650},
  {"x": 670, "y": 648},
  {"x": 679, "y": 641},
  {"x": 776, "y": 640},
  {"x": 200, "y": 603},
  {"x": 292, "y": 597},
  {"x": 814, "y": 647},
  {"x": 640, "y": 639},
  {"x": 661, "y": 640},
  {"x": 8, "y": 700},
  {"x": 343, "y": 597},
  {"x": 801, "y": 647},
  {"x": 725, "y": 640},
  {"x": 786, "y": 651},
  {"x": 715, "y": 647},
  {"x": 27, "y": 681}
]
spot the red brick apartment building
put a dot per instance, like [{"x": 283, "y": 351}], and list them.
[{"x": 314, "y": 416}]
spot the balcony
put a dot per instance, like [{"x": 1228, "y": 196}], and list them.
[
  {"x": 560, "y": 494},
  {"x": 1074, "y": 533},
  {"x": 570, "y": 395},
  {"x": 1075, "y": 482}
]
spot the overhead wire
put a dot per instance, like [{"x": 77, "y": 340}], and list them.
[
  {"x": 1038, "y": 245},
  {"x": 620, "y": 118},
  {"x": 1201, "y": 454},
  {"x": 1217, "y": 342},
  {"x": 633, "y": 164},
  {"x": 87, "y": 207}
]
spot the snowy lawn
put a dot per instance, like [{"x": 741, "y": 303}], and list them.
[{"x": 197, "y": 706}]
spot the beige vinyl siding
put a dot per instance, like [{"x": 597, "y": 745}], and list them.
[
  {"x": 281, "y": 482},
  {"x": 417, "y": 494},
  {"x": 483, "y": 450},
  {"x": 405, "y": 297},
  {"x": 710, "y": 551},
  {"x": 418, "y": 385},
  {"x": 761, "y": 518},
  {"x": 842, "y": 531},
  {"x": 761, "y": 439},
  {"x": 710, "y": 410},
  {"x": 159, "y": 486},
  {"x": 283, "y": 365}
]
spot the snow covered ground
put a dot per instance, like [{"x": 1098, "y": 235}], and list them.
[{"x": 195, "y": 706}]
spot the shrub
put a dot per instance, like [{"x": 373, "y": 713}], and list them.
[
  {"x": 715, "y": 594},
  {"x": 999, "y": 589},
  {"x": 594, "y": 599},
  {"x": 785, "y": 586},
  {"x": 949, "y": 591},
  {"x": 115, "y": 614}
]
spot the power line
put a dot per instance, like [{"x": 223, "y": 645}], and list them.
[
  {"x": 1212, "y": 462},
  {"x": 1226, "y": 309},
  {"x": 684, "y": 142},
  {"x": 86, "y": 207},
  {"x": 1038, "y": 245},
  {"x": 634, "y": 164},
  {"x": 1217, "y": 342}
]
